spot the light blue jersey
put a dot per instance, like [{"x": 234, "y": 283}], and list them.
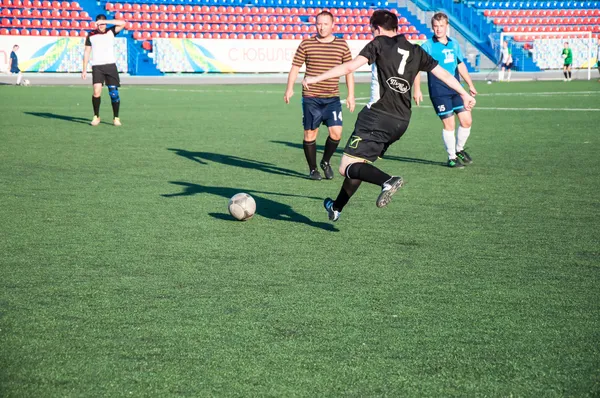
[{"x": 448, "y": 56}]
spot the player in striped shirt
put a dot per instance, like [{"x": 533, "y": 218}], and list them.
[{"x": 321, "y": 102}]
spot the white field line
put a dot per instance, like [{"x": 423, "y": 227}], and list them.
[{"x": 519, "y": 109}]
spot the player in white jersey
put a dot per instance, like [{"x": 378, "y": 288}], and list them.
[
  {"x": 99, "y": 45},
  {"x": 506, "y": 61}
]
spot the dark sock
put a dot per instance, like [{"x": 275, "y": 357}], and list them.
[
  {"x": 330, "y": 147},
  {"x": 96, "y": 105},
  {"x": 367, "y": 172},
  {"x": 310, "y": 151},
  {"x": 115, "y": 106},
  {"x": 565, "y": 73},
  {"x": 569, "y": 74},
  {"x": 349, "y": 187}
]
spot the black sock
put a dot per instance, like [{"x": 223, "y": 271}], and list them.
[
  {"x": 115, "y": 106},
  {"x": 569, "y": 74},
  {"x": 330, "y": 147},
  {"x": 310, "y": 151},
  {"x": 565, "y": 73},
  {"x": 367, "y": 172},
  {"x": 96, "y": 105},
  {"x": 349, "y": 187}
]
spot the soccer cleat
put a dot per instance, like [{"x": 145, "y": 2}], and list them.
[
  {"x": 455, "y": 163},
  {"x": 327, "y": 170},
  {"x": 117, "y": 121},
  {"x": 333, "y": 214},
  {"x": 95, "y": 121},
  {"x": 464, "y": 157},
  {"x": 315, "y": 175},
  {"x": 389, "y": 188}
]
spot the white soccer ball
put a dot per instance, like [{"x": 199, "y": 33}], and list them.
[
  {"x": 242, "y": 206},
  {"x": 26, "y": 82}
]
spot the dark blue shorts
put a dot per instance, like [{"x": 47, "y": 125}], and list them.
[
  {"x": 448, "y": 105},
  {"x": 15, "y": 70},
  {"x": 317, "y": 111}
]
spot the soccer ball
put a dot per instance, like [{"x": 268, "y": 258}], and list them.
[
  {"x": 242, "y": 206},
  {"x": 26, "y": 82}
]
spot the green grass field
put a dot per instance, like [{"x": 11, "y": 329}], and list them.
[{"x": 122, "y": 273}]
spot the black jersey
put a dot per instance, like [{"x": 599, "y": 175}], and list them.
[{"x": 398, "y": 62}]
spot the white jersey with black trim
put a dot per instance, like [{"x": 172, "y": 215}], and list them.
[{"x": 103, "y": 46}]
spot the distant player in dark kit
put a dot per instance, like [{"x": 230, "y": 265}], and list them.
[
  {"x": 100, "y": 45},
  {"x": 383, "y": 122},
  {"x": 14, "y": 64},
  {"x": 321, "y": 103}
]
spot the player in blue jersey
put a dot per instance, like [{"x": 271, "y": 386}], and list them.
[{"x": 445, "y": 100}]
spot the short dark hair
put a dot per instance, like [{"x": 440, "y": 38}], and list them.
[
  {"x": 100, "y": 17},
  {"x": 439, "y": 16},
  {"x": 384, "y": 19},
  {"x": 325, "y": 12}
]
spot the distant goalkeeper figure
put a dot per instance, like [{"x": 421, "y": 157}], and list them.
[
  {"x": 446, "y": 100},
  {"x": 567, "y": 55},
  {"x": 100, "y": 45},
  {"x": 506, "y": 62}
]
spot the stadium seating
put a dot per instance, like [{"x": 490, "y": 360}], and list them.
[
  {"x": 43, "y": 18},
  {"x": 540, "y": 20},
  {"x": 202, "y": 21}
]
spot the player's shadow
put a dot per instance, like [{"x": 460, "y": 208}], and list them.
[
  {"x": 267, "y": 208},
  {"x": 205, "y": 157},
  {"x": 48, "y": 115},
  {"x": 389, "y": 157},
  {"x": 298, "y": 145}
]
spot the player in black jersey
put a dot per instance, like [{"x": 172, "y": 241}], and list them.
[{"x": 384, "y": 121}]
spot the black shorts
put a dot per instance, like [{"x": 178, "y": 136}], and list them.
[
  {"x": 507, "y": 66},
  {"x": 106, "y": 73},
  {"x": 373, "y": 133}
]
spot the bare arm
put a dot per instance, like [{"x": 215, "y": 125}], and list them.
[
  {"x": 350, "y": 101},
  {"x": 464, "y": 73},
  {"x": 417, "y": 93},
  {"x": 340, "y": 70},
  {"x": 454, "y": 84},
  {"x": 86, "y": 58},
  {"x": 292, "y": 76},
  {"x": 119, "y": 23}
]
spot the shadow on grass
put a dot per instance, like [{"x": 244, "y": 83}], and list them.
[
  {"x": 204, "y": 157},
  {"x": 297, "y": 145},
  {"x": 48, "y": 115},
  {"x": 265, "y": 207}
]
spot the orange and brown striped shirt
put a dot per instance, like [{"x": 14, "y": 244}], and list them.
[{"x": 320, "y": 57}]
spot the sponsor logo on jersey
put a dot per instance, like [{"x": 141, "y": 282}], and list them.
[
  {"x": 398, "y": 84},
  {"x": 449, "y": 56}
]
